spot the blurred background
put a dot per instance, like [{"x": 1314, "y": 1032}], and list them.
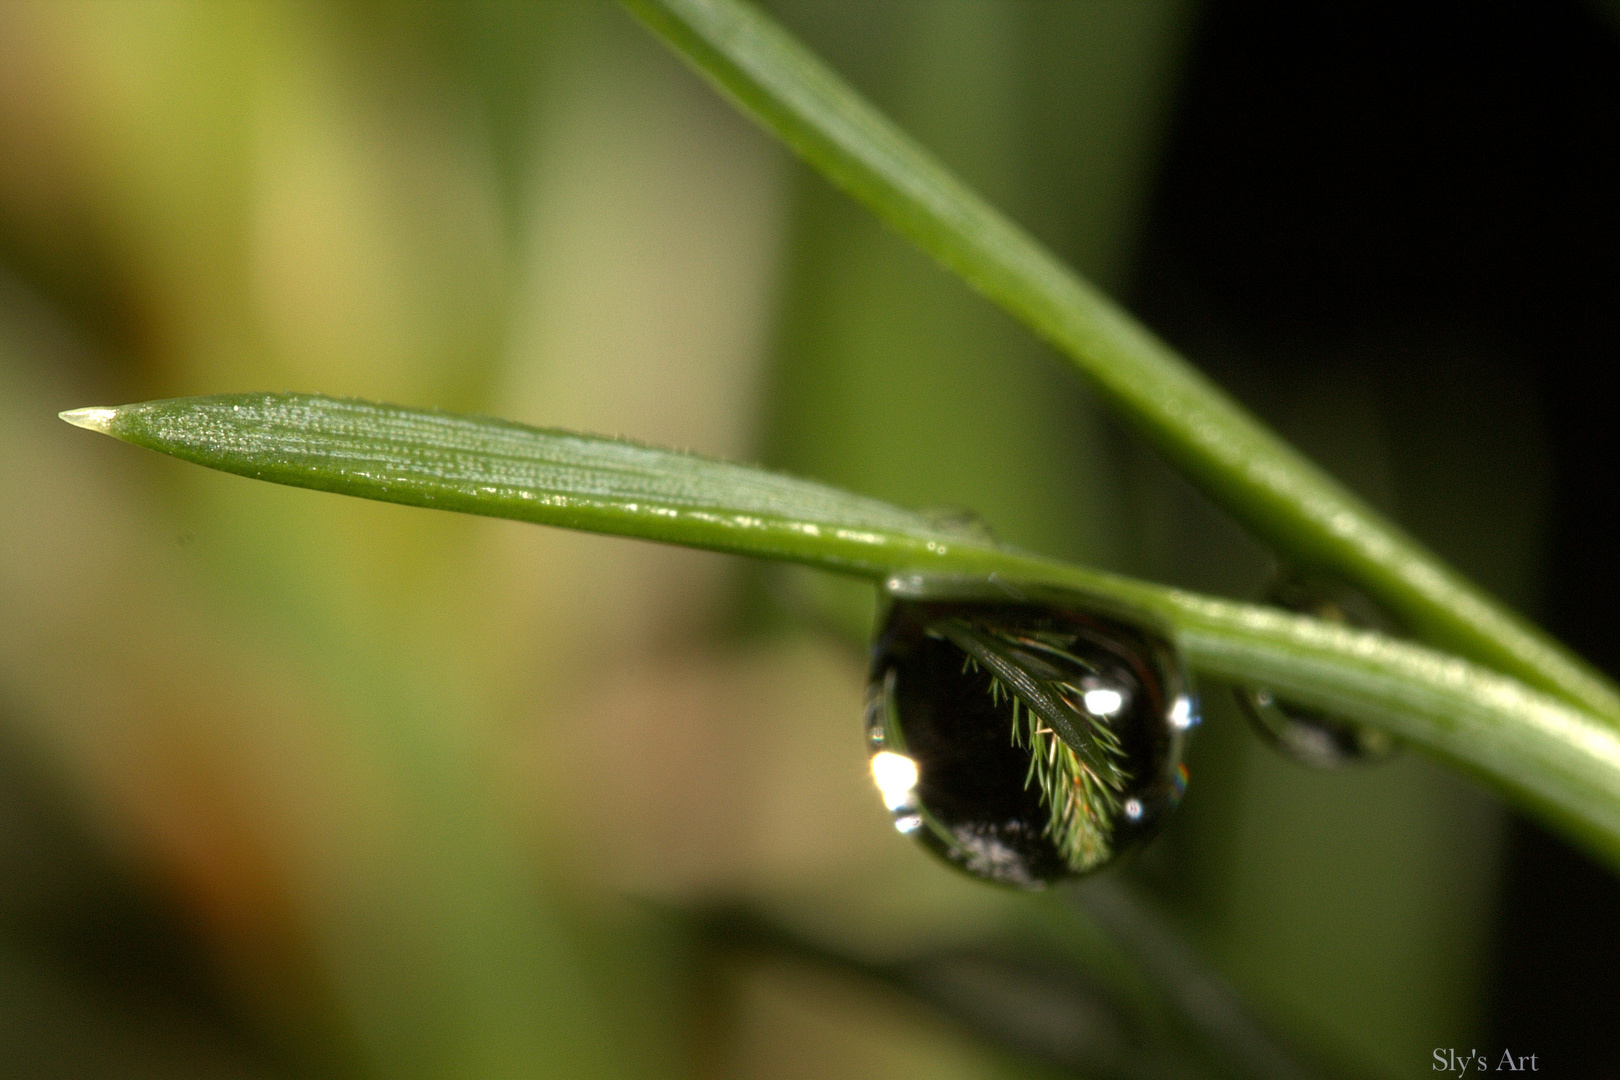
[{"x": 299, "y": 786}]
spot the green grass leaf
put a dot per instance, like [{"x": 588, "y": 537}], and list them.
[
  {"x": 481, "y": 465},
  {"x": 1554, "y": 758},
  {"x": 1301, "y": 512}
]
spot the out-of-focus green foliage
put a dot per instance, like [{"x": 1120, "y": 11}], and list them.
[{"x": 361, "y": 791}]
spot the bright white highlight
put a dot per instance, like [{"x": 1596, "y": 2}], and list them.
[
  {"x": 1103, "y": 702},
  {"x": 895, "y": 776},
  {"x": 1181, "y": 714}
]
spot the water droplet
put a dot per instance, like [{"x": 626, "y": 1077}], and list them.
[
  {"x": 960, "y": 522},
  {"x": 1024, "y": 735},
  {"x": 1308, "y": 735}
]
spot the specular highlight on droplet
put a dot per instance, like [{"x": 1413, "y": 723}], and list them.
[{"x": 1023, "y": 734}]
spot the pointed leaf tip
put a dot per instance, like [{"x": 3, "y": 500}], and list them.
[{"x": 94, "y": 419}]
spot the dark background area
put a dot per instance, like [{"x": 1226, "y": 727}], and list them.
[{"x": 1345, "y": 173}]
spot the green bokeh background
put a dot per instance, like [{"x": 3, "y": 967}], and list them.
[{"x": 294, "y": 785}]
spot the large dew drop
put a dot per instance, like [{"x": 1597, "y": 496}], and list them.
[
  {"x": 1308, "y": 735},
  {"x": 1023, "y": 735}
]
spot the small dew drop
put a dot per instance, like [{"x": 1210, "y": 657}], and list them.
[
  {"x": 961, "y": 523},
  {"x": 1309, "y": 735},
  {"x": 1023, "y": 740}
]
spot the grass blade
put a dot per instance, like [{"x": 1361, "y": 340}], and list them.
[
  {"x": 1546, "y": 754},
  {"x": 481, "y": 465}
]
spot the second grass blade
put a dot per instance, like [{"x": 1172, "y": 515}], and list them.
[{"x": 1293, "y": 506}]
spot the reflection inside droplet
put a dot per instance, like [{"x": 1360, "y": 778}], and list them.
[{"x": 1023, "y": 740}]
